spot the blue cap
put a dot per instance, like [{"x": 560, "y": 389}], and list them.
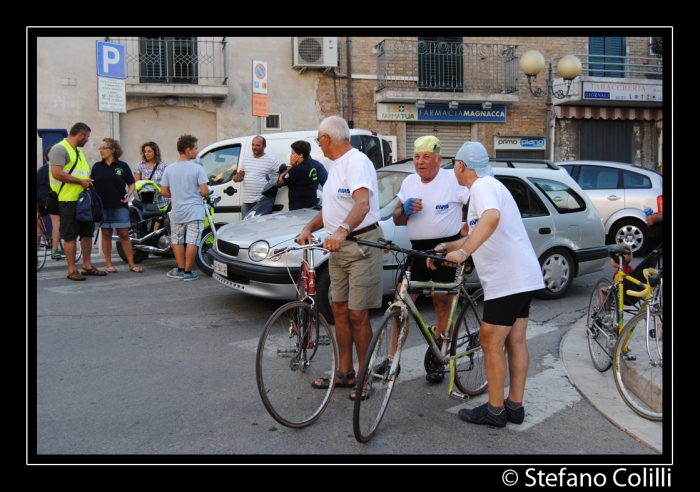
[{"x": 474, "y": 157}]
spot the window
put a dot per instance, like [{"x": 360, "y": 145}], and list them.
[
  {"x": 598, "y": 178},
  {"x": 221, "y": 164},
  {"x": 388, "y": 185},
  {"x": 614, "y": 52},
  {"x": 528, "y": 204},
  {"x": 272, "y": 122},
  {"x": 440, "y": 64},
  {"x": 635, "y": 180},
  {"x": 169, "y": 60},
  {"x": 564, "y": 199},
  {"x": 369, "y": 145}
]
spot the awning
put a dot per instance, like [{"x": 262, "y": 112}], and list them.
[{"x": 597, "y": 113}]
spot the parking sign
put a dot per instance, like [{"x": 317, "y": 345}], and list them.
[{"x": 111, "y": 60}]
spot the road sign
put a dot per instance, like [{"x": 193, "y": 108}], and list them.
[
  {"x": 111, "y": 60},
  {"x": 111, "y": 95},
  {"x": 261, "y": 105},
  {"x": 259, "y": 77}
]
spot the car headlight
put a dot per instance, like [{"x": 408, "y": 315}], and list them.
[{"x": 258, "y": 250}]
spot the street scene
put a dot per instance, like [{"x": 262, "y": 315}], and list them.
[{"x": 231, "y": 236}]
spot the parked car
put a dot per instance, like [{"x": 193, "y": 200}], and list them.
[
  {"x": 620, "y": 192},
  {"x": 563, "y": 225}
]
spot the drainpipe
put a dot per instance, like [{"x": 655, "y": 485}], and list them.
[{"x": 351, "y": 123}]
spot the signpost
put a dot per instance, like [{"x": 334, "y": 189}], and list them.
[
  {"x": 111, "y": 86},
  {"x": 260, "y": 99}
]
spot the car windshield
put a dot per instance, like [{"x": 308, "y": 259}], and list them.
[
  {"x": 561, "y": 195},
  {"x": 389, "y": 184}
]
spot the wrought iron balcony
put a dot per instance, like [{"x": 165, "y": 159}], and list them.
[
  {"x": 446, "y": 67},
  {"x": 163, "y": 66},
  {"x": 622, "y": 67}
]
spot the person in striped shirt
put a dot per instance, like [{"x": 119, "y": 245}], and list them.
[{"x": 253, "y": 169}]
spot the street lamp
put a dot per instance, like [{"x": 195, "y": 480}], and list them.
[{"x": 569, "y": 67}]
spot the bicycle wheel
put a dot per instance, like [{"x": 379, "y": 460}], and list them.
[
  {"x": 367, "y": 414},
  {"x": 601, "y": 324},
  {"x": 470, "y": 375},
  {"x": 78, "y": 249},
  {"x": 41, "y": 243},
  {"x": 295, "y": 348},
  {"x": 638, "y": 364}
]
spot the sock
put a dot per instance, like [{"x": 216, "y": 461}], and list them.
[
  {"x": 513, "y": 405},
  {"x": 180, "y": 269},
  {"x": 495, "y": 410},
  {"x": 190, "y": 271}
]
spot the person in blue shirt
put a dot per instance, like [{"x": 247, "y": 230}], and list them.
[{"x": 303, "y": 176}]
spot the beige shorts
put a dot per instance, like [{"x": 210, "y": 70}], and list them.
[{"x": 356, "y": 273}]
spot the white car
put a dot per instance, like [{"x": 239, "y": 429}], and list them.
[{"x": 563, "y": 225}]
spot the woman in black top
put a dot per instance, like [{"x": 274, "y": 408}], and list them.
[
  {"x": 302, "y": 177},
  {"x": 114, "y": 182}
]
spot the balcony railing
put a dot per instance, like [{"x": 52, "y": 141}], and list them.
[
  {"x": 446, "y": 67},
  {"x": 623, "y": 67},
  {"x": 175, "y": 60}
]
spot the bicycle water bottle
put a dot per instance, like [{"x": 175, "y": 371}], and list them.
[{"x": 648, "y": 211}]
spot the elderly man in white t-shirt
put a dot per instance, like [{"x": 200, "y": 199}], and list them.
[
  {"x": 350, "y": 209},
  {"x": 509, "y": 273},
  {"x": 430, "y": 205}
]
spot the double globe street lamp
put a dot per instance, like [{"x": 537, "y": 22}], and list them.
[{"x": 569, "y": 67}]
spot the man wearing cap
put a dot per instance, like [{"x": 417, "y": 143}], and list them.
[
  {"x": 350, "y": 210},
  {"x": 430, "y": 205},
  {"x": 509, "y": 273}
]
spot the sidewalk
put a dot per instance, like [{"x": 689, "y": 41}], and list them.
[{"x": 600, "y": 390}]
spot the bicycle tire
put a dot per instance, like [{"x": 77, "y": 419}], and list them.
[
  {"x": 470, "y": 374},
  {"x": 601, "y": 324},
  {"x": 78, "y": 249},
  {"x": 368, "y": 413},
  {"x": 640, "y": 379},
  {"x": 285, "y": 367},
  {"x": 41, "y": 247}
]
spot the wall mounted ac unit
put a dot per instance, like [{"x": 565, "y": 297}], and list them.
[{"x": 314, "y": 52}]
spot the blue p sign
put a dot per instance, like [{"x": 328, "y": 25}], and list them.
[{"x": 111, "y": 60}]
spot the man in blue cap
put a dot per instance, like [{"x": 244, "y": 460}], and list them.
[{"x": 509, "y": 273}]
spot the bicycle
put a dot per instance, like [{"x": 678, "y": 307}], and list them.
[
  {"x": 606, "y": 309},
  {"x": 297, "y": 346},
  {"x": 44, "y": 242},
  {"x": 458, "y": 348},
  {"x": 638, "y": 357}
]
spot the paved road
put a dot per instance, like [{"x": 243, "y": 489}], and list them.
[{"x": 149, "y": 366}]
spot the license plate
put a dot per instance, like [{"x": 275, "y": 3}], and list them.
[{"x": 221, "y": 268}]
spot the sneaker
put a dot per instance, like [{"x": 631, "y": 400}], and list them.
[
  {"x": 483, "y": 416},
  {"x": 384, "y": 367},
  {"x": 515, "y": 416},
  {"x": 174, "y": 273},
  {"x": 190, "y": 276},
  {"x": 57, "y": 254},
  {"x": 435, "y": 377}
]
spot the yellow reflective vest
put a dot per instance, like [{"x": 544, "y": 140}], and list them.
[{"x": 70, "y": 191}]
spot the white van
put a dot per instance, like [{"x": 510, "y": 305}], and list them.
[{"x": 220, "y": 161}]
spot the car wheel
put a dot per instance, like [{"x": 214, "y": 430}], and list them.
[
  {"x": 557, "y": 272},
  {"x": 323, "y": 291},
  {"x": 632, "y": 233}
]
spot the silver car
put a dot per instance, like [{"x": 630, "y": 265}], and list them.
[
  {"x": 563, "y": 225},
  {"x": 620, "y": 193}
]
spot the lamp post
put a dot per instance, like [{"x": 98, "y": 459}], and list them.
[{"x": 569, "y": 67}]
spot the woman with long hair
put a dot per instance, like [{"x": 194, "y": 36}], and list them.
[{"x": 151, "y": 168}]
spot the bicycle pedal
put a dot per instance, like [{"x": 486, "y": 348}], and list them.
[
  {"x": 456, "y": 395},
  {"x": 629, "y": 356}
]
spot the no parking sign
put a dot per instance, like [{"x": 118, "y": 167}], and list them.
[{"x": 259, "y": 77}]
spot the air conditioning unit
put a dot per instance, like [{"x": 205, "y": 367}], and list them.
[{"x": 314, "y": 52}]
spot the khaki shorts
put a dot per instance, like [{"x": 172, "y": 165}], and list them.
[{"x": 356, "y": 273}]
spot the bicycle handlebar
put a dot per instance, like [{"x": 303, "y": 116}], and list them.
[
  {"x": 384, "y": 244},
  {"x": 647, "y": 289},
  {"x": 315, "y": 244}
]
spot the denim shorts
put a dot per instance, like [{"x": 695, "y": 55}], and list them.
[{"x": 115, "y": 218}]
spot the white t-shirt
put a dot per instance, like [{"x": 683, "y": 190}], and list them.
[
  {"x": 443, "y": 199},
  {"x": 255, "y": 169},
  {"x": 505, "y": 262},
  {"x": 352, "y": 171}
]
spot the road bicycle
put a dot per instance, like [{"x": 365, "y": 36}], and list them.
[
  {"x": 638, "y": 357},
  {"x": 297, "y": 346},
  {"x": 44, "y": 242},
  {"x": 608, "y": 305},
  {"x": 458, "y": 348}
]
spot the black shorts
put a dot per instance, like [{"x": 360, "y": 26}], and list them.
[
  {"x": 71, "y": 228},
  {"x": 505, "y": 310},
  {"x": 420, "y": 271}
]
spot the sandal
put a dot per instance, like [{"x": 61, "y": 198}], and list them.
[
  {"x": 93, "y": 271},
  {"x": 136, "y": 270},
  {"x": 75, "y": 276},
  {"x": 324, "y": 383},
  {"x": 365, "y": 392},
  {"x": 112, "y": 270}
]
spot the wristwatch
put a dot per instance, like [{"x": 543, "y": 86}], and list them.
[{"x": 346, "y": 227}]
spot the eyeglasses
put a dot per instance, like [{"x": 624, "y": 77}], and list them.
[
  {"x": 317, "y": 139},
  {"x": 105, "y": 148}
]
